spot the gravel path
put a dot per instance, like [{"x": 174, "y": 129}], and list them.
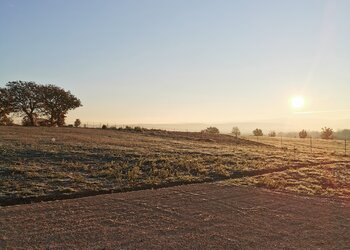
[{"x": 210, "y": 216}]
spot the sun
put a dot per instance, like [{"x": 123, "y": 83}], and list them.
[{"x": 297, "y": 102}]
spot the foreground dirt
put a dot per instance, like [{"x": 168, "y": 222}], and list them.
[{"x": 193, "y": 216}]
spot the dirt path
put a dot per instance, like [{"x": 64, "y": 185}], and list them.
[{"x": 191, "y": 216}]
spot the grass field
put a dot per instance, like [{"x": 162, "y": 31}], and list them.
[{"x": 34, "y": 167}]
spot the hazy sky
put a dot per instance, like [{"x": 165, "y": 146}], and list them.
[{"x": 182, "y": 60}]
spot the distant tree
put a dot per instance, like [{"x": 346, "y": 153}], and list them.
[
  {"x": 104, "y": 126},
  {"x": 25, "y": 99},
  {"x": 303, "y": 134},
  {"x": 258, "y": 132},
  {"x": 56, "y": 102},
  {"x": 138, "y": 129},
  {"x": 236, "y": 132},
  {"x": 211, "y": 130},
  {"x": 327, "y": 133},
  {"x": 272, "y": 134},
  {"x": 128, "y": 128},
  {"x": 342, "y": 134},
  {"x": 77, "y": 123}
]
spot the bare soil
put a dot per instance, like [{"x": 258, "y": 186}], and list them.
[{"x": 196, "y": 216}]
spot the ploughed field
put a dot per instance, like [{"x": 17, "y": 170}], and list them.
[{"x": 55, "y": 163}]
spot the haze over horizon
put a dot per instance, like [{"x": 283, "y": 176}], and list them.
[{"x": 176, "y": 62}]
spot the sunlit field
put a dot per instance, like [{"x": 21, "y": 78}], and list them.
[{"x": 51, "y": 163}]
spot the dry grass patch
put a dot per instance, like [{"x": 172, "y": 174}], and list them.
[{"x": 326, "y": 180}]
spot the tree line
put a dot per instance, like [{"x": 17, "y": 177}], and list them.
[
  {"x": 36, "y": 104},
  {"x": 326, "y": 133}
]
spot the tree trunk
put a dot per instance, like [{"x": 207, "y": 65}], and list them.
[{"x": 31, "y": 119}]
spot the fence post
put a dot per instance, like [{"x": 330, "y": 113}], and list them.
[
  {"x": 281, "y": 142},
  {"x": 295, "y": 151},
  {"x": 345, "y": 147}
]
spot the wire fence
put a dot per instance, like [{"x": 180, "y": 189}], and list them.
[{"x": 306, "y": 145}]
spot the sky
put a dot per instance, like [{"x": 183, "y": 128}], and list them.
[{"x": 184, "y": 61}]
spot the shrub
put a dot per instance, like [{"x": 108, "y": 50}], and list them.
[
  {"x": 236, "y": 132},
  {"x": 104, "y": 126},
  {"x": 137, "y": 129},
  {"x": 128, "y": 128},
  {"x": 6, "y": 121},
  {"x": 211, "y": 130},
  {"x": 272, "y": 134},
  {"x": 303, "y": 134}
]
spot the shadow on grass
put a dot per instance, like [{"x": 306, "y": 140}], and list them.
[{"x": 210, "y": 178}]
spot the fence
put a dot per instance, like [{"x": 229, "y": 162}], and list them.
[{"x": 310, "y": 145}]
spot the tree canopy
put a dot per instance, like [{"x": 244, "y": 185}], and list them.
[
  {"x": 36, "y": 103},
  {"x": 258, "y": 132}
]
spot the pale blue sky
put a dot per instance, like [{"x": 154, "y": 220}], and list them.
[{"x": 183, "y": 60}]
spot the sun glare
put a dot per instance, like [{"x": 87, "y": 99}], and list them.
[{"x": 297, "y": 102}]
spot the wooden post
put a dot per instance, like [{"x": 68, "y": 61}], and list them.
[
  {"x": 295, "y": 151},
  {"x": 345, "y": 147},
  {"x": 281, "y": 142}
]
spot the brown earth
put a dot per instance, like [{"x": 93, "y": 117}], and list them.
[{"x": 197, "y": 216}]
